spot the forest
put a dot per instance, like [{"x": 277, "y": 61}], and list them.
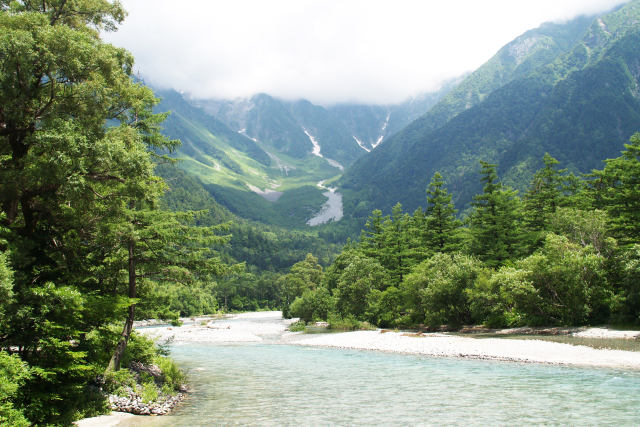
[
  {"x": 564, "y": 253},
  {"x": 83, "y": 240}
]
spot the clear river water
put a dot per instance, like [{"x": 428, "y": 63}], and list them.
[{"x": 280, "y": 384}]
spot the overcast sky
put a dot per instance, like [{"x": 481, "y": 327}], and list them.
[{"x": 327, "y": 51}]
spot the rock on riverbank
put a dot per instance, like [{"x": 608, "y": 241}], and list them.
[{"x": 134, "y": 404}]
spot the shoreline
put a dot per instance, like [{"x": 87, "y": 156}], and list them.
[
  {"x": 270, "y": 328},
  {"x": 463, "y": 347},
  {"x": 108, "y": 420}
]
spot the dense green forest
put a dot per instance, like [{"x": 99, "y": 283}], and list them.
[
  {"x": 83, "y": 241},
  {"x": 566, "y": 252}
]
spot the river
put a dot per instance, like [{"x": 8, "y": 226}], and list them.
[
  {"x": 332, "y": 208},
  {"x": 271, "y": 382}
]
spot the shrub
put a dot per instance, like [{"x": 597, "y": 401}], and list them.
[
  {"x": 383, "y": 307},
  {"x": 570, "y": 283},
  {"x": 436, "y": 288},
  {"x": 13, "y": 373},
  {"x": 173, "y": 377},
  {"x": 116, "y": 382},
  {"x": 149, "y": 392},
  {"x": 313, "y": 305},
  {"x": 348, "y": 323},
  {"x": 501, "y": 299},
  {"x": 356, "y": 281},
  {"x": 298, "y": 326}
]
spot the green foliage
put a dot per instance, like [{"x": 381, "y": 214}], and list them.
[
  {"x": 496, "y": 221},
  {"x": 494, "y": 297},
  {"x": 569, "y": 282},
  {"x": 299, "y": 326},
  {"x": 544, "y": 195},
  {"x": 384, "y": 308},
  {"x": 440, "y": 222},
  {"x": 313, "y": 305},
  {"x": 117, "y": 382},
  {"x": 358, "y": 279},
  {"x": 303, "y": 276},
  {"x": 583, "y": 227},
  {"x": 437, "y": 289},
  {"x": 629, "y": 305},
  {"x": 347, "y": 323},
  {"x": 13, "y": 374},
  {"x": 577, "y": 275},
  {"x": 149, "y": 392},
  {"x": 618, "y": 192},
  {"x": 6, "y": 286},
  {"x": 78, "y": 199}
]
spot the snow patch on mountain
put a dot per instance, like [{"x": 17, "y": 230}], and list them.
[
  {"x": 316, "y": 151},
  {"x": 243, "y": 132},
  {"x": 268, "y": 193},
  {"x": 382, "y": 132},
  {"x": 361, "y": 144},
  {"x": 316, "y": 146}
]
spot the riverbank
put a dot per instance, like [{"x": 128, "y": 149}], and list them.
[
  {"x": 270, "y": 327},
  {"x": 235, "y": 328},
  {"x": 444, "y": 345},
  {"x": 109, "y": 420}
]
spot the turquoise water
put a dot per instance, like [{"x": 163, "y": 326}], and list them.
[{"x": 275, "y": 384}]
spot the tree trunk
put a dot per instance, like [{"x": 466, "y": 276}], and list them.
[{"x": 114, "y": 363}]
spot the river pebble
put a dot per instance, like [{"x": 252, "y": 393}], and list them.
[{"x": 133, "y": 403}]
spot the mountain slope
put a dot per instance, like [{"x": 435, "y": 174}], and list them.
[
  {"x": 246, "y": 176},
  {"x": 580, "y": 106}
]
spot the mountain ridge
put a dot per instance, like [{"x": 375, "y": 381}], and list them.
[{"x": 514, "y": 124}]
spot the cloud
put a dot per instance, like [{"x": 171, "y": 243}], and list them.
[{"x": 373, "y": 51}]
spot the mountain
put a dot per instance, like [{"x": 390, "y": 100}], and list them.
[
  {"x": 568, "y": 89},
  {"x": 263, "y": 157},
  {"x": 252, "y": 179},
  {"x": 342, "y": 132}
]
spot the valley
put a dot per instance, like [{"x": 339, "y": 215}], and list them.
[
  {"x": 262, "y": 175},
  {"x": 263, "y": 157}
]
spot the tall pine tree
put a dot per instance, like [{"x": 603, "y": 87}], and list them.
[
  {"x": 496, "y": 220},
  {"x": 440, "y": 223}
]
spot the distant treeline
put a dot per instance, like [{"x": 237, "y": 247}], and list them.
[{"x": 566, "y": 252}]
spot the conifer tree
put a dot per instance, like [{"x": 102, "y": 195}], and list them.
[
  {"x": 440, "y": 223},
  {"x": 543, "y": 196},
  {"x": 495, "y": 222},
  {"x": 618, "y": 192}
]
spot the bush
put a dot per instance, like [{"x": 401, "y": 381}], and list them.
[
  {"x": 570, "y": 285},
  {"x": 356, "y": 282},
  {"x": 436, "y": 289},
  {"x": 501, "y": 299},
  {"x": 348, "y": 323},
  {"x": 116, "y": 382},
  {"x": 313, "y": 305},
  {"x": 384, "y": 307},
  {"x": 299, "y": 326},
  {"x": 149, "y": 392},
  {"x": 13, "y": 373},
  {"x": 173, "y": 377}
]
